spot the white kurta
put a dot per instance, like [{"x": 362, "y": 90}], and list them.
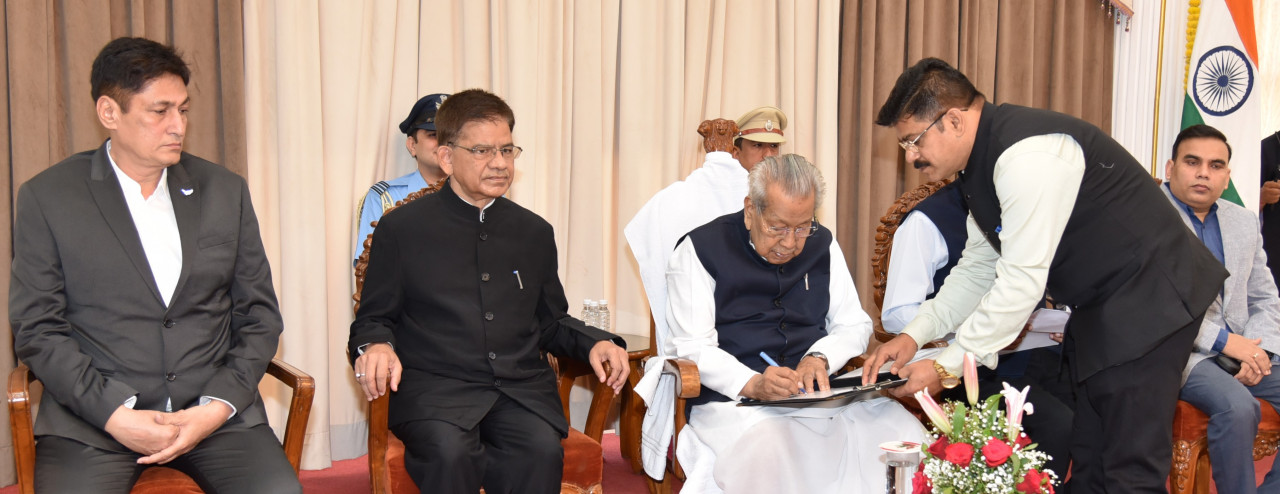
[
  {"x": 727, "y": 448},
  {"x": 710, "y": 192}
]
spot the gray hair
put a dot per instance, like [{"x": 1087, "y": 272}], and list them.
[{"x": 796, "y": 175}]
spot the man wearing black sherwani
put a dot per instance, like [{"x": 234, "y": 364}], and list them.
[{"x": 460, "y": 301}]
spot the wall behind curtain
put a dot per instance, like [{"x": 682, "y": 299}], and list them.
[
  {"x": 49, "y": 47},
  {"x": 607, "y": 97},
  {"x": 1054, "y": 55}
]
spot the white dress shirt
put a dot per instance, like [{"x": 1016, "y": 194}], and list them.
[
  {"x": 158, "y": 231},
  {"x": 157, "y": 228},
  {"x": 988, "y": 295}
]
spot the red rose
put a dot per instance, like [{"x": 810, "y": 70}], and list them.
[
  {"x": 938, "y": 448},
  {"x": 1023, "y": 440},
  {"x": 996, "y": 452},
  {"x": 920, "y": 484},
  {"x": 960, "y": 454},
  {"x": 1034, "y": 481}
]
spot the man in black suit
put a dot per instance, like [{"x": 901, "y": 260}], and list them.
[
  {"x": 462, "y": 285},
  {"x": 142, "y": 299},
  {"x": 1055, "y": 204}
]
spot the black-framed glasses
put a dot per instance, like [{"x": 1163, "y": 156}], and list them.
[
  {"x": 910, "y": 146},
  {"x": 482, "y": 152},
  {"x": 800, "y": 232}
]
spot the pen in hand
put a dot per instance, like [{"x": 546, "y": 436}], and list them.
[{"x": 769, "y": 360}]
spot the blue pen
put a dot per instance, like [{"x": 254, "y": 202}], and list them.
[{"x": 769, "y": 360}]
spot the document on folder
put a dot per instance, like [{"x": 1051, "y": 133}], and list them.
[{"x": 846, "y": 387}]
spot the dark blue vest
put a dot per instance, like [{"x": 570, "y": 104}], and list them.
[
  {"x": 948, "y": 212},
  {"x": 760, "y": 307}
]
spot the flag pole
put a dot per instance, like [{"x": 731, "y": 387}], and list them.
[{"x": 1155, "y": 120}]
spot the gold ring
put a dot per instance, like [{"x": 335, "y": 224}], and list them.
[{"x": 1255, "y": 355}]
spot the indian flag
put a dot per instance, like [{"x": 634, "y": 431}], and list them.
[{"x": 1221, "y": 72}]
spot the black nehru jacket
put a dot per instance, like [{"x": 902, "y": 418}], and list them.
[
  {"x": 762, "y": 306},
  {"x": 469, "y": 307},
  {"x": 1131, "y": 270}
]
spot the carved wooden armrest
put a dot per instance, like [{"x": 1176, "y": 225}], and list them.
[{"x": 688, "y": 381}]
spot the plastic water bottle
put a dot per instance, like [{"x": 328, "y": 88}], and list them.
[
  {"x": 590, "y": 312},
  {"x": 602, "y": 317}
]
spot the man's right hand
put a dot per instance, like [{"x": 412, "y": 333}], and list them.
[
  {"x": 775, "y": 383},
  {"x": 1270, "y": 192},
  {"x": 142, "y": 431},
  {"x": 898, "y": 350},
  {"x": 378, "y": 365},
  {"x": 1250, "y": 355}
]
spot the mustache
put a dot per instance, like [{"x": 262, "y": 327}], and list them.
[{"x": 921, "y": 164}]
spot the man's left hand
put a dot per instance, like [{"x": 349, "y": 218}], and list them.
[
  {"x": 1248, "y": 377},
  {"x": 813, "y": 374},
  {"x": 920, "y": 375},
  {"x": 194, "y": 424},
  {"x": 616, "y": 356}
]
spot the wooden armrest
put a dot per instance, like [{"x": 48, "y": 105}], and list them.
[
  {"x": 688, "y": 381},
  {"x": 20, "y": 423},
  {"x": 304, "y": 390},
  {"x": 379, "y": 474}
]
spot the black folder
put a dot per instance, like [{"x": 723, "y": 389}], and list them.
[{"x": 845, "y": 387}]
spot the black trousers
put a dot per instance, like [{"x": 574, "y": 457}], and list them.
[
  {"x": 1123, "y": 431},
  {"x": 511, "y": 450},
  {"x": 232, "y": 461}
]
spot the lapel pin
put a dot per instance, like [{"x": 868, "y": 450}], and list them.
[{"x": 187, "y": 192}]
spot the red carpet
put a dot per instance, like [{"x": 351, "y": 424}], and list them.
[{"x": 352, "y": 476}]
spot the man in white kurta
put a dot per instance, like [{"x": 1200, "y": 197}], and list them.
[
  {"x": 769, "y": 280},
  {"x": 714, "y": 189}
]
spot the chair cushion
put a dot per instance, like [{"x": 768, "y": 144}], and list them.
[
  {"x": 1189, "y": 423},
  {"x": 163, "y": 480},
  {"x": 583, "y": 464}
]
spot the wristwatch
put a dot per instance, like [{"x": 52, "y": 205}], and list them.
[
  {"x": 948, "y": 379},
  {"x": 826, "y": 363}
]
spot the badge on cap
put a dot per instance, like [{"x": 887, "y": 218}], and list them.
[{"x": 768, "y": 125}]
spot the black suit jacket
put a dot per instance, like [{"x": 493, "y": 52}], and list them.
[
  {"x": 470, "y": 306},
  {"x": 89, "y": 320}
]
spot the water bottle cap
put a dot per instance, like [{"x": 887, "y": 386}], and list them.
[{"x": 604, "y": 302}]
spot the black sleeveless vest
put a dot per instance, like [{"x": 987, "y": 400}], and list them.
[
  {"x": 948, "y": 212},
  {"x": 1126, "y": 263},
  {"x": 761, "y": 306}
]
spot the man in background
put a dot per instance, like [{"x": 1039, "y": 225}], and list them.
[
  {"x": 1236, "y": 346},
  {"x": 420, "y": 139}
]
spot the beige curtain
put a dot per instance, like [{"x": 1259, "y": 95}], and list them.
[
  {"x": 1054, "y": 55},
  {"x": 49, "y": 47},
  {"x": 607, "y": 97}
]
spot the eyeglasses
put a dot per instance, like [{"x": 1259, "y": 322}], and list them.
[
  {"x": 800, "y": 232},
  {"x": 488, "y": 152},
  {"x": 910, "y": 146}
]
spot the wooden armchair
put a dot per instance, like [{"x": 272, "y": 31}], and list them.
[
  {"x": 583, "y": 456},
  {"x": 157, "y": 479},
  {"x": 1191, "y": 472}
]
